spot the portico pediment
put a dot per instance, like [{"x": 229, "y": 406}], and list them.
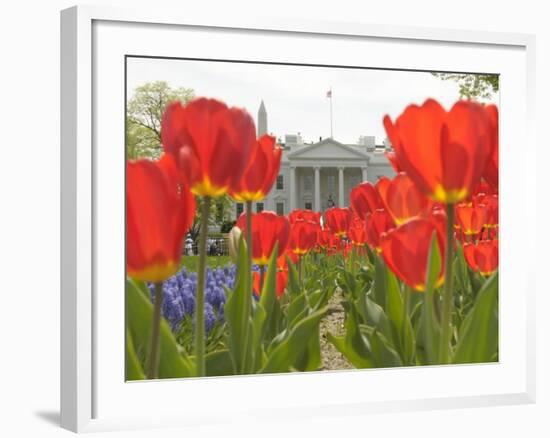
[{"x": 328, "y": 149}]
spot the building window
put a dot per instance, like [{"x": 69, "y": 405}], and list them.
[
  {"x": 308, "y": 183},
  {"x": 240, "y": 209},
  {"x": 259, "y": 207},
  {"x": 309, "y": 206},
  {"x": 280, "y": 183},
  {"x": 354, "y": 180},
  {"x": 280, "y": 207},
  {"x": 331, "y": 183}
]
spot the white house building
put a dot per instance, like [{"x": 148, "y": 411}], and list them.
[{"x": 320, "y": 175}]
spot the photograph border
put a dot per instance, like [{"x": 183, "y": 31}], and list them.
[{"x": 78, "y": 170}]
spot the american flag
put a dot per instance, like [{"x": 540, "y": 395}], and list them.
[{"x": 329, "y": 93}]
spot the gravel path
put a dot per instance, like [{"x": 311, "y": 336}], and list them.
[{"x": 331, "y": 358}]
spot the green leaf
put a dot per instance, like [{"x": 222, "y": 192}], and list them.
[
  {"x": 430, "y": 327},
  {"x": 219, "y": 363},
  {"x": 237, "y": 315},
  {"x": 139, "y": 312},
  {"x": 264, "y": 313},
  {"x": 370, "y": 255},
  {"x": 133, "y": 367},
  {"x": 478, "y": 338},
  {"x": 379, "y": 286},
  {"x": 258, "y": 323},
  {"x": 461, "y": 270},
  {"x": 296, "y": 309},
  {"x": 476, "y": 280},
  {"x": 349, "y": 282},
  {"x": 376, "y": 317},
  {"x": 354, "y": 345},
  {"x": 319, "y": 299},
  {"x": 396, "y": 310},
  {"x": 287, "y": 353},
  {"x": 269, "y": 295},
  {"x": 142, "y": 287},
  {"x": 383, "y": 353},
  {"x": 274, "y": 324},
  {"x": 293, "y": 286},
  {"x": 310, "y": 359}
]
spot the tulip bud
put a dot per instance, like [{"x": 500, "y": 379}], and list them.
[{"x": 234, "y": 239}]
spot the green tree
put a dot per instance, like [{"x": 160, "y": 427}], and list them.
[
  {"x": 472, "y": 86},
  {"x": 220, "y": 212},
  {"x": 144, "y": 114}
]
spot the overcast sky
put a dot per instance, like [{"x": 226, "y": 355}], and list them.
[{"x": 295, "y": 96}]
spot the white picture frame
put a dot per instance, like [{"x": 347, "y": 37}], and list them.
[{"x": 93, "y": 397}]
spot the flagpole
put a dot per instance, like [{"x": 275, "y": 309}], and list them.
[{"x": 331, "y": 112}]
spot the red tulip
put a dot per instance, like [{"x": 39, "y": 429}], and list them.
[
  {"x": 303, "y": 236},
  {"x": 336, "y": 245},
  {"x": 282, "y": 264},
  {"x": 262, "y": 170},
  {"x": 469, "y": 255},
  {"x": 306, "y": 215},
  {"x": 347, "y": 249},
  {"x": 405, "y": 250},
  {"x": 329, "y": 242},
  {"x": 378, "y": 223},
  {"x": 491, "y": 170},
  {"x": 403, "y": 200},
  {"x": 357, "y": 233},
  {"x": 159, "y": 211},
  {"x": 483, "y": 189},
  {"x": 323, "y": 238},
  {"x": 491, "y": 219},
  {"x": 471, "y": 219},
  {"x": 482, "y": 257},
  {"x": 444, "y": 153},
  {"x": 281, "y": 280},
  {"x": 290, "y": 255},
  {"x": 382, "y": 186},
  {"x": 438, "y": 206},
  {"x": 268, "y": 229},
  {"x": 364, "y": 199},
  {"x": 338, "y": 220},
  {"x": 393, "y": 161},
  {"x": 210, "y": 142}
]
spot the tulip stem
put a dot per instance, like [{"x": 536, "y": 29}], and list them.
[
  {"x": 352, "y": 262},
  {"x": 199, "y": 306},
  {"x": 249, "y": 246},
  {"x": 446, "y": 317},
  {"x": 248, "y": 283},
  {"x": 154, "y": 349},
  {"x": 406, "y": 311},
  {"x": 300, "y": 272}
]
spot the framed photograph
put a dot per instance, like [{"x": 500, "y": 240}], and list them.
[{"x": 313, "y": 218}]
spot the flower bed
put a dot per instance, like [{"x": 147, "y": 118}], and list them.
[{"x": 413, "y": 262}]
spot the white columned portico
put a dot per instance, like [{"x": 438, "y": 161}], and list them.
[
  {"x": 317, "y": 188},
  {"x": 364, "y": 173},
  {"x": 292, "y": 186},
  {"x": 340, "y": 187}
]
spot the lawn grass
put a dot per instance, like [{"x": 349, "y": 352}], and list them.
[{"x": 191, "y": 263}]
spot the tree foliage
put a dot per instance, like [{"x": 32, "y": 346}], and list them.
[
  {"x": 472, "y": 86},
  {"x": 144, "y": 114}
]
